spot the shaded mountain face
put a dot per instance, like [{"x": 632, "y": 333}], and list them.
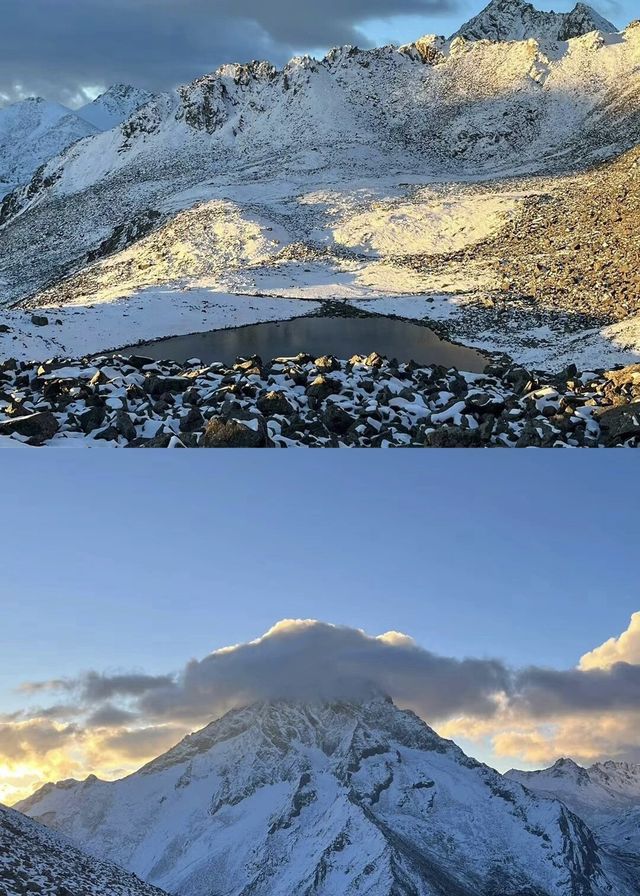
[
  {"x": 114, "y": 106},
  {"x": 606, "y": 795},
  {"x": 34, "y": 130},
  {"x": 31, "y": 131},
  {"x": 505, "y": 20},
  {"x": 332, "y": 798},
  {"x": 37, "y": 861}
]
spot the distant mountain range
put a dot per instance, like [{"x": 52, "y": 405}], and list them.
[
  {"x": 33, "y": 130},
  {"x": 286, "y": 798},
  {"x": 606, "y": 795}
]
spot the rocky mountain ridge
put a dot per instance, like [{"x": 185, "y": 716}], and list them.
[{"x": 504, "y": 20}]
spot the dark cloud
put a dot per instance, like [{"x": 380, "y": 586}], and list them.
[
  {"x": 56, "y": 47},
  {"x": 548, "y": 692},
  {"x": 95, "y": 687},
  {"x": 316, "y": 660},
  {"x": 311, "y": 660},
  {"x": 109, "y": 716}
]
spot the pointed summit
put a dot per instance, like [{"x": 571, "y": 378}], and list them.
[
  {"x": 327, "y": 797},
  {"x": 506, "y": 20},
  {"x": 114, "y": 106}
]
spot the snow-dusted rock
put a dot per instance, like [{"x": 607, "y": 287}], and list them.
[{"x": 37, "y": 861}]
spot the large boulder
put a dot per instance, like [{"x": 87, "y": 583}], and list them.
[
  {"x": 232, "y": 433},
  {"x": 37, "y": 427}
]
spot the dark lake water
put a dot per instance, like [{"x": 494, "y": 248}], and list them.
[{"x": 341, "y": 337}]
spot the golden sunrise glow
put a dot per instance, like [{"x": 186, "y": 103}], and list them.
[{"x": 36, "y": 750}]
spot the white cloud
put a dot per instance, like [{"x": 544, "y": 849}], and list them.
[{"x": 623, "y": 649}]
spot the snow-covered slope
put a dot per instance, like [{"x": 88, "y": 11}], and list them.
[
  {"x": 285, "y": 798},
  {"x": 506, "y": 20},
  {"x": 32, "y": 131},
  {"x": 37, "y": 861},
  {"x": 114, "y": 106},
  {"x": 606, "y": 795}
]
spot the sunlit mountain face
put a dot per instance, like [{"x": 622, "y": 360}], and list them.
[{"x": 292, "y": 796}]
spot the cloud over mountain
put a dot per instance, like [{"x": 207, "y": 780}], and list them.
[{"x": 117, "y": 720}]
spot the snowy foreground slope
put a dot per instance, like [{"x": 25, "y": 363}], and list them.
[
  {"x": 331, "y": 798},
  {"x": 35, "y": 860},
  {"x": 606, "y": 795}
]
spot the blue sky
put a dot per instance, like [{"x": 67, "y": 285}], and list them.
[{"x": 532, "y": 559}]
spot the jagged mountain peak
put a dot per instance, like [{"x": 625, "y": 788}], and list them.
[
  {"x": 329, "y": 796},
  {"x": 283, "y": 726},
  {"x": 566, "y": 764},
  {"x": 114, "y": 106},
  {"x": 508, "y": 20}
]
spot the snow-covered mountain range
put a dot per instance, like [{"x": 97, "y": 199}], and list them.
[
  {"x": 518, "y": 20},
  {"x": 335, "y": 797},
  {"x": 606, "y": 795},
  {"x": 33, "y": 130},
  {"x": 35, "y": 860},
  {"x": 114, "y": 106}
]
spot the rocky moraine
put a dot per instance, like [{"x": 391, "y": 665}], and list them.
[{"x": 114, "y": 401}]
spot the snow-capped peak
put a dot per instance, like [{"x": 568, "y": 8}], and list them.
[
  {"x": 508, "y": 20},
  {"x": 329, "y": 797},
  {"x": 114, "y": 106}
]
